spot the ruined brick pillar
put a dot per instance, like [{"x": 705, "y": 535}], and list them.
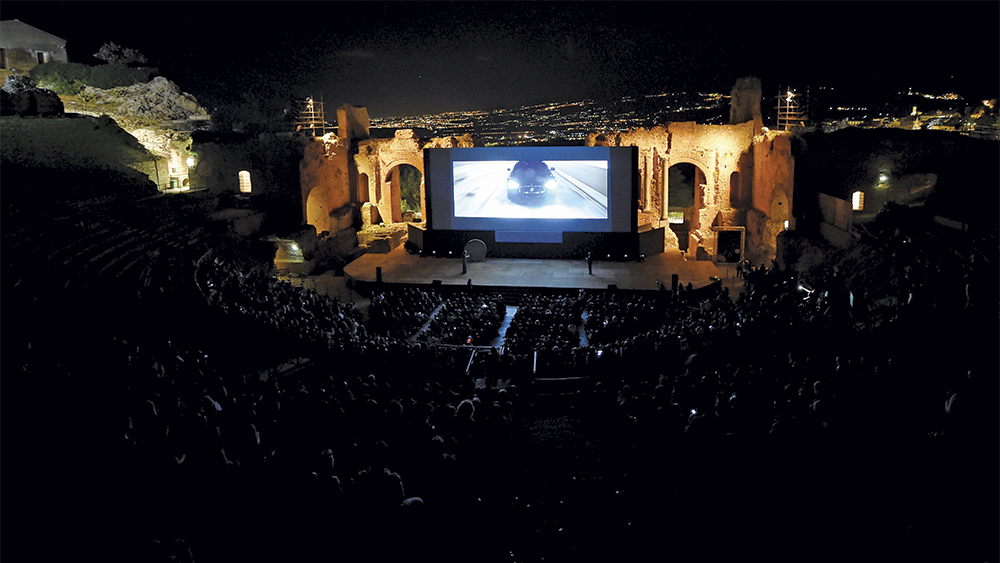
[
  {"x": 745, "y": 101},
  {"x": 369, "y": 215}
]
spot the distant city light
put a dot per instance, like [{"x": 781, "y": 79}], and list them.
[{"x": 577, "y": 120}]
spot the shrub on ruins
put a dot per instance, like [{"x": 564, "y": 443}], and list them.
[
  {"x": 65, "y": 79},
  {"x": 69, "y": 79},
  {"x": 114, "y": 76},
  {"x": 409, "y": 188},
  {"x": 116, "y": 55}
]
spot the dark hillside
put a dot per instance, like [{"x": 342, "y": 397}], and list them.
[
  {"x": 72, "y": 144},
  {"x": 963, "y": 172}
]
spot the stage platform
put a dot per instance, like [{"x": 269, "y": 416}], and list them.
[{"x": 400, "y": 267}]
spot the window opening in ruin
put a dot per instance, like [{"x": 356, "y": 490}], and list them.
[
  {"x": 858, "y": 201},
  {"x": 735, "y": 190},
  {"x": 245, "y": 187},
  {"x": 42, "y": 57}
]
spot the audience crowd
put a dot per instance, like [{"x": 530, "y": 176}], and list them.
[
  {"x": 375, "y": 423},
  {"x": 545, "y": 323},
  {"x": 399, "y": 313},
  {"x": 467, "y": 319}
]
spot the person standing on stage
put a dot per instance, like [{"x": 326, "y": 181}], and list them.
[
  {"x": 465, "y": 261},
  {"x": 590, "y": 263}
]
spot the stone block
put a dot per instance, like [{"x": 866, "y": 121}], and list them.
[
  {"x": 380, "y": 246},
  {"x": 369, "y": 214}
]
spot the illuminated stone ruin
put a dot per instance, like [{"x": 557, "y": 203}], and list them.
[
  {"x": 353, "y": 171},
  {"x": 743, "y": 176}
]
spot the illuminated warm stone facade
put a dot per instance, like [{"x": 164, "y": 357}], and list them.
[
  {"x": 743, "y": 175},
  {"x": 721, "y": 155},
  {"x": 324, "y": 181},
  {"x": 773, "y": 174},
  {"x": 351, "y": 171},
  {"x": 378, "y": 161}
]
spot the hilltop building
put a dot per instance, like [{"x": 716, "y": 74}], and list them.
[{"x": 23, "y": 47}]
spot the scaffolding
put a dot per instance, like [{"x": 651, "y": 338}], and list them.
[
  {"x": 791, "y": 110},
  {"x": 310, "y": 119}
]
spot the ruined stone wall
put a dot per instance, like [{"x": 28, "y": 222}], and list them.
[
  {"x": 379, "y": 157},
  {"x": 331, "y": 167},
  {"x": 773, "y": 173},
  {"x": 744, "y": 101},
  {"x": 716, "y": 150},
  {"x": 273, "y": 164},
  {"x": 744, "y": 176},
  {"x": 745, "y": 180},
  {"x": 352, "y": 122},
  {"x": 836, "y": 225},
  {"x": 325, "y": 185}
]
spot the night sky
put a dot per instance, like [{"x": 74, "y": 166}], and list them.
[{"x": 410, "y": 58}]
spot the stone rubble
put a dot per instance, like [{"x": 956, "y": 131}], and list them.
[
  {"x": 19, "y": 96},
  {"x": 158, "y": 100}
]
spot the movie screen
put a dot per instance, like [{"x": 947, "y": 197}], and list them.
[
  {"x": 531, "y": 189},
  {"x": 536, "y": 189}
]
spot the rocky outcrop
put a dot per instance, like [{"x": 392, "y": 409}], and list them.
[
  {"x": 156, "y": 101},
  {"x": 19, "y": 96}
]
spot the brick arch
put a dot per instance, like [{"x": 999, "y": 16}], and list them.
[
  {"x": 700, "y": 222},
  {"x": 391, "y": 203},
  {"x": 699, "y": 196},
  {"x": 318, "y": 209}
]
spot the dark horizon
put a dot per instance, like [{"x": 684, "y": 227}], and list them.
[{"x": 417, "y": 58}]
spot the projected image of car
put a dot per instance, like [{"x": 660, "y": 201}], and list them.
[{"x": 531, "y": 181}]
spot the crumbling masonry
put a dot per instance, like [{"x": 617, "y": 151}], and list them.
[{"x": 743, "y": 178}]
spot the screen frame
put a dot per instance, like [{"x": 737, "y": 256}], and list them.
[{"x": 622, "y": 189}]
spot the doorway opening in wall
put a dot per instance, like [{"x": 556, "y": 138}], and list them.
[
  {"x": 409, "y": 192},
  {"x": 729, "y": 244},
  {"x": 403, "y": 182},
  {"x": 682, "y": 180}
]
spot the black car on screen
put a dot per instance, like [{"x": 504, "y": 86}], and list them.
[{"x": 530, "y": 180}]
